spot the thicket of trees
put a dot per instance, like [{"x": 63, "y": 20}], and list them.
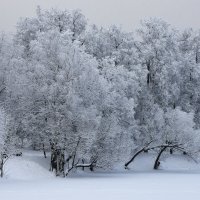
[{"x": 95, "y": 97}]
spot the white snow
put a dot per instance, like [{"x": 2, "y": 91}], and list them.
[
  {"x": 28, "y": 178},
  {"x": 30, "y": 166}
]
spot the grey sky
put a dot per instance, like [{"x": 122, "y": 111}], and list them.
[{"x": 180, "y": 13}]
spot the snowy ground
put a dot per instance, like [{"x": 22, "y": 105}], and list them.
[{"x": 28, "y": 177}]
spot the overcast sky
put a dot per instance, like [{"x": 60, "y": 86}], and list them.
[{"x": 180, "y": 13}]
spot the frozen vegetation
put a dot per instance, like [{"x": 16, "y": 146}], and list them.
[{"x": 105, "y": 114}]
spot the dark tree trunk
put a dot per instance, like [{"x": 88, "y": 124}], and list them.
[
  {"x": 157, "y": 162},
  {"x": 144, "y": 149},
  {"x": 44, "y": 150},
  {"x": 171, "y": 151},
  {"x": 83, "y": 164},
  {"x": 1, "y": 168},
  {"x": 135, "y": 155},
  {"x": 57, "y": 162}
]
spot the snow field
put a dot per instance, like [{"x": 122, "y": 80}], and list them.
[{"x": 27, "y": 177}]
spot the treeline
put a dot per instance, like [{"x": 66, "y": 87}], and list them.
[{"x": 93, "y": 96}]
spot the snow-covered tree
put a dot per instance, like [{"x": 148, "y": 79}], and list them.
[
  {"x": 7, "y": 141},
  {"x": 96, "y": 96}
]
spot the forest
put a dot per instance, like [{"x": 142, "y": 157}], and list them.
[{"x": 95, "y": 97}]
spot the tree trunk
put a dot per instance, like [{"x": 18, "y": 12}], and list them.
[
  {"x": 144, "y": 149},
  {"x": 83, "y": 164},
  {"x": 135, "y": 155},
  {"x": 57, "y": 163},
  {"x": 157, "y": 162},
  {"x": 1, "y": 168},
  {"x": 44, "y": 151},
  {"x": 171, "y": 151}
]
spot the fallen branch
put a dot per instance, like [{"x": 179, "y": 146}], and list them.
[{"x": 80, "y": 165}]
